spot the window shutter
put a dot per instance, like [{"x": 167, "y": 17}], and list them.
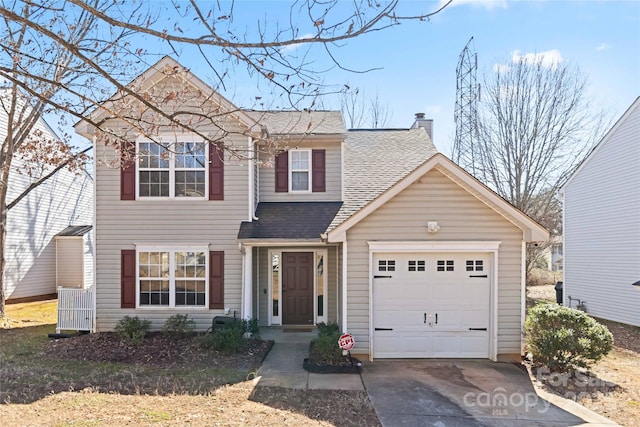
[
  {"x": 128, "y": 278},
  {"x": 216, "y": 172},
  {"x": 318, "y": 170},
  {"x": 128, "y": 171},
  {"x": 282, "y": 172},
  {"x": 216, "y": 279}
]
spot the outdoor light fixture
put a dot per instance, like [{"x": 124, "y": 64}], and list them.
[{"x": 433, "y": 227}]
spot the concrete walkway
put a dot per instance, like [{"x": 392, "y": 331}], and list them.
[{"x": 283, "y": 365}]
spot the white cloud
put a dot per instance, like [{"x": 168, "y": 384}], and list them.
[
  {"x": 548, "y": 58},
  {"x": 292, "y": 47},
  {"x": 487, "y": 4},
  {"x": 603, "y": 46}
]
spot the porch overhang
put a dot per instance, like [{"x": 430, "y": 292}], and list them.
[{"x": 289, "y": 222}]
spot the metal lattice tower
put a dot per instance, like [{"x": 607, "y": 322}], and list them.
[{"x": 465, "y": 113}]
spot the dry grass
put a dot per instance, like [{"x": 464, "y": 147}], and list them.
[
  {"x": 43, "y": 391},
  {"x": 620, "y": 368}
]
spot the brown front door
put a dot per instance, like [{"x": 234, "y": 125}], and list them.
[{"x": 297, "y": 288}]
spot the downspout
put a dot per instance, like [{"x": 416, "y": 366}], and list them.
[{"x": 252, "y": 176}]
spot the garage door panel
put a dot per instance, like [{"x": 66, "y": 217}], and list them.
[{"x": 445, "y": 288}]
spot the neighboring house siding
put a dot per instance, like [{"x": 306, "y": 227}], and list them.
[
  {"x": 461, "y": 217},
  {"x": 125, "y": 224},
  {"x": 602, "y": 226},
  {"x": 332, "y": 177},
  {"x": 65, "y": 199}
]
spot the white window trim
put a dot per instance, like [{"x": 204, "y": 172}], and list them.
[
  {"x": 172, "y": 296},
  {"x": 308, "y": 170},
  {"x": 172, "y": 168},
  {"x": 277, "y": 320}
]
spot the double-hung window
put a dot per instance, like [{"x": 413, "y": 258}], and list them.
[
  {"x": 300, "y": 170},
  {"x": 176, "y": 169},
  {"x": 172, "y": 278}
]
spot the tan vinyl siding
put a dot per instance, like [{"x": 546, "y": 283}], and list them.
[
  {"x": 123, "y": 224},
  {"x": 602, "y": 226},
  {"x": 87, "y": 249},
  {"x": 69, "y": 262},
  {"x": 461, "y": 217},
  {"x": 333, "y": 181}
]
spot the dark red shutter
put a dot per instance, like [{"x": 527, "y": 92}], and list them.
[
  {"x": 318, "y": 170},
  {"x": 216, "y": 279},
  {"x": 128, "y": 278},
  {"x": 282, "y": 172},
  {"x": 216, "y": 172},
  {"x": 128, "y": 171}
]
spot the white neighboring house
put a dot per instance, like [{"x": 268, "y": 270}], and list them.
[
  {"x": 602, "y": 225},
  {"x": 56, "y": 208}
]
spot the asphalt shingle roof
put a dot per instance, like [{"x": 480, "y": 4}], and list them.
[
  {"x": 374, "y": 160},
  {"x": 290, "y": 220},
  {"x": 299, "y": 122},
  {"x": 75, "y": 230}
]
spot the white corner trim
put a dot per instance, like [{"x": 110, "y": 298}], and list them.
[{"x": 344, "y": 287}]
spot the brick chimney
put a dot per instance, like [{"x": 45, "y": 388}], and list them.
[{"x": 426, "y": 124}]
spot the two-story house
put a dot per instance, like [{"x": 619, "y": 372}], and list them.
[{"x": 373, "y": 229}]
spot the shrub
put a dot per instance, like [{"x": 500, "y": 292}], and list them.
[
  {"x": 331, "y": 328},
  {"x": 325, "y": 347},
  {"x": 252, "y": 327},
  {"x": 564, "y": 339},
  {"x": 230, "y": 338},
  {"x": 132, "y": 329},
  {"x": 178, "y": 326}
]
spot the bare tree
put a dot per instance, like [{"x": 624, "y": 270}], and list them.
[
  {"x": 536, "y": 125},
  {"x": 65, "y": 59},
  {"x": 379, "y": 113},
  {"x": 360, "y": 111},
  {"x": 352, "y": 108}
]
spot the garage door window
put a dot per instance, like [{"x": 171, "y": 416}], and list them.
[
  {"x": 417, "y": 265},
  {"x": 476, "y": 265},
  {"x": 386, "y": 265},
  {"x": 445, "y": 265}
]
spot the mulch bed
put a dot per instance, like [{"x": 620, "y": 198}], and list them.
[
  {"x": 317, "y": 364},
  {"x": 157, "y": 349}
]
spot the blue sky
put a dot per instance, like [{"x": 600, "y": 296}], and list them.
[{"x": 418, "y": 59}]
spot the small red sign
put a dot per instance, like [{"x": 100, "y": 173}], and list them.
[{"x": 346, "y": 342}]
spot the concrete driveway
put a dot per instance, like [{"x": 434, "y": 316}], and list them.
[{"x": 464, "y": 393}]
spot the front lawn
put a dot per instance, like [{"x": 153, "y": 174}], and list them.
[{"x": 99, "y": 380}]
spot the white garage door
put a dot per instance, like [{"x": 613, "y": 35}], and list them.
[{"x": 431, "y": 305}]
